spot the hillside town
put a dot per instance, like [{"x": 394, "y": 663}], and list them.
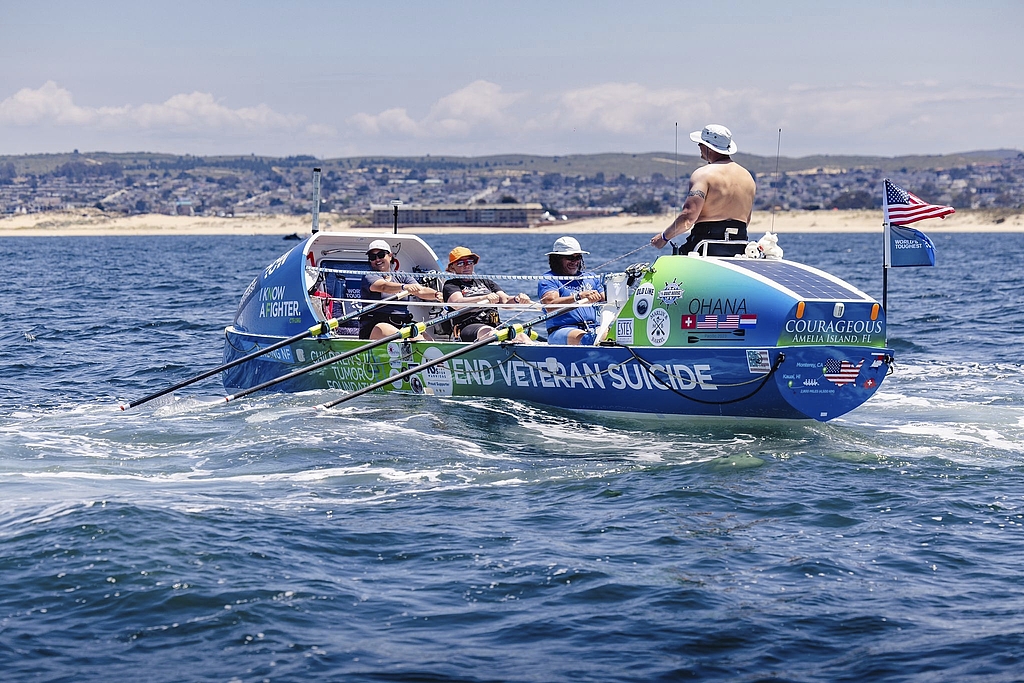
[{"x": 361, "y": 188}]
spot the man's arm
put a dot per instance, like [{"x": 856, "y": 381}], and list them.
[
  {"x": 551, "y": 296},
  {"x": 387, "y": 285},
  {"x": 692, "y": 207}
]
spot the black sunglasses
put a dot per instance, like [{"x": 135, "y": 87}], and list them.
[
  {"x": 573, "y": 257},
  {"x": 374, "y": 255}
]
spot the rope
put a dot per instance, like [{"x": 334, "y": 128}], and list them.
[
  {"x": 775, "y": 366},
  {"x": 227, "y": 338},
  {"x": 536, "y": 305},
  {"x": 622, "y": 257},
  {"x": 445, "y": 275}
]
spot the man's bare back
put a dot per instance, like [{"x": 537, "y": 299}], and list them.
[
  {"x": 721, "y": 191},
  {"x": 728, "y": 191}
]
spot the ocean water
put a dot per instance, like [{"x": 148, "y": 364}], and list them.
[{"x": 416, "y": 539}]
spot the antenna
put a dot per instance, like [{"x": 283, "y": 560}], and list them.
[
  {"x": 775, "y": 185},
  {"x": 676, "y": 159},
  {"x": 396, "y": 203},
  {"x": 316, "y": 201}
]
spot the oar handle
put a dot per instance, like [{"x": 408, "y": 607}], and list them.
[
  {"x": 404, "y": 333},
  {"x": 499, "y": 335},
  {"x": 311, "y": 332},
  {"x": 315, "y": 330},
  {"x": 502, "y": 333}
]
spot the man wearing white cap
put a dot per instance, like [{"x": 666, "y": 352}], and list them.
[
  {"x": 721, "y": 194},
  {"x": 568, "y": 283},
  {"x": 380, "y": 282}
]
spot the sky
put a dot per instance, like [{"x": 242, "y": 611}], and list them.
[{"x": 475, "y": 77}]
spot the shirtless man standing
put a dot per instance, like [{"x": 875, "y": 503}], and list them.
[{"x": 721, "y": 194}]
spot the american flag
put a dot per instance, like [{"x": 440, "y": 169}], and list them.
[
  {"x": 728, "y": 322},
  {"x": 903, "y": 207},
  {"x": 707, "y": 322},
  {"x": 842, "y": 372}
]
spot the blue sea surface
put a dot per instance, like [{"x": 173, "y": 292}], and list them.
[{"x": 407, "y": 538}]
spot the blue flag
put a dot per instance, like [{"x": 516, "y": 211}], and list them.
[{"x": 909, "y": 247}]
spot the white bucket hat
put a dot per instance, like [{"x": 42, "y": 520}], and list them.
[
  {"x": 566, "y": 246},
  {"x": 378, "y": 244},
  {"x": 716, "y": 137}
]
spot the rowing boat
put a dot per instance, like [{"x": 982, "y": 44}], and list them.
[{"x": 719, "y": 332}]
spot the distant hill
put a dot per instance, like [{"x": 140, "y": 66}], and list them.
[
  {"x": 645, "y": 164},
  {"x": 610, "y": 164}
]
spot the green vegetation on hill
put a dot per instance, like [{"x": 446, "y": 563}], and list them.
[{"x": 610, "y": 164}]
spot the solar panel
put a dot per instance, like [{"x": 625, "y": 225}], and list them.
[{"x": 805, "y": 283}]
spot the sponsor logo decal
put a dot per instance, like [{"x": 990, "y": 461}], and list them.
[
  {"x": 643, "y": 299},
  {"x": 658, "y": 327},
  {"x": 670, "y": 293},
  {"x": 274, "y": 305},
  {"x": 624, "y": 330},
  {"x": 758, "y": 361},
  {"x": 438, "y": 379}
]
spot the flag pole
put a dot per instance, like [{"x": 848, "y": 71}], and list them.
[
  {"x": 886, "y": 246},
  {"x": 885, "y": 289}
]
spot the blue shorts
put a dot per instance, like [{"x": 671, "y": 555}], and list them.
[{"x": 561, "y": 336}]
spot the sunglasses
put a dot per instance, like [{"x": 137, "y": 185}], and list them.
[
  {"x": 573, "y": 257},
  {"x": 463, "y": 262},
  {"x": 374, "y": 255}
]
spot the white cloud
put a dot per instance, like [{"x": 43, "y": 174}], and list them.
[
  {"x": 200, "y": 111},
  {"x": 480, "y": 103},
  {"x": 51, "y": 103},
  {"x": 480, "y": 106},
  {"x": 483, "y": 118},
  {"x": 624, "y": 109},
  {"x": 389, "y": 121},
  {"x": 195, "y": 112}
]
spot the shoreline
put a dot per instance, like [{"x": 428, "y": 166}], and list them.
[{"x": 91, "y": 222}]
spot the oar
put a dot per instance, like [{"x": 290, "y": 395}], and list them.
[
  {"x": 318, "y": 329},
  {"x": 404, "y": 333},
  {"x": 501, "y": 334}
]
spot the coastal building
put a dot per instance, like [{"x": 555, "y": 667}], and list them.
[{"x": 470, "y": 215}]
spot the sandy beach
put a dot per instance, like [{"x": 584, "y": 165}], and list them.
[{"x": 94, "y": 222}]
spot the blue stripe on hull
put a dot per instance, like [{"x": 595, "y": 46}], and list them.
[{"x": 819, "y": 382}]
